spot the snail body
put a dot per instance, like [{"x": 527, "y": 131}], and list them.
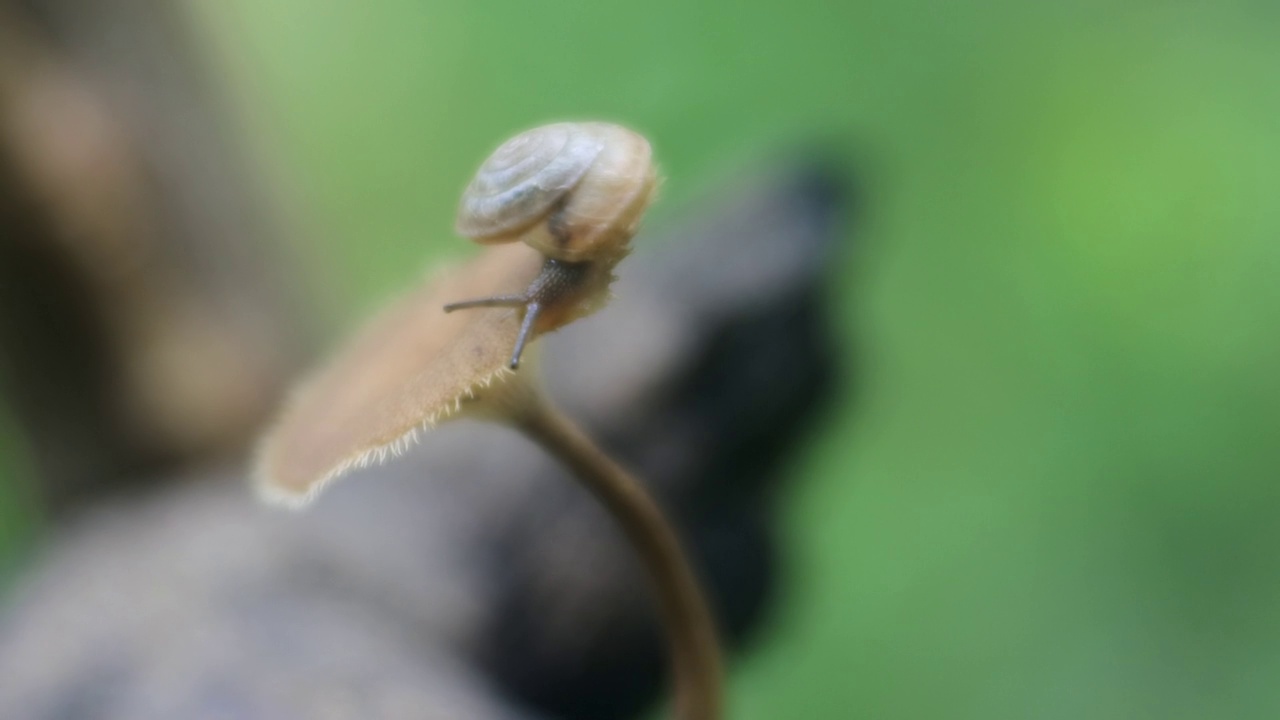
[{"x": 575, "y": 192}]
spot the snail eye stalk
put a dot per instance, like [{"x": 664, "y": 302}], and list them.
[
  {"x": 532, "y": 309},
  {"x": 499, "y": 301}
]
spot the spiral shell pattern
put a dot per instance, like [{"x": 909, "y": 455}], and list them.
[{"x": 524, "y": 178}]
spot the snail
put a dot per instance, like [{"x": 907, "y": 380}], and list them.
[{"x": 575, "y": 192}]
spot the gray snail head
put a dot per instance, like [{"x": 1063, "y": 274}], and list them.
[{"x": 573, "y": 191}]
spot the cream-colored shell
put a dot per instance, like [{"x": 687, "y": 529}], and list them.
[{"x": 572, "y": 191}]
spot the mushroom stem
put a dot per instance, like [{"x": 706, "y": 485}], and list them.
[{"x": 683, "y": 608}]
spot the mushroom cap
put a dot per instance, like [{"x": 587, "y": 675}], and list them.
[{"x": 411, "y": 367}]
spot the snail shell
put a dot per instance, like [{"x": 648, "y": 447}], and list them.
[{"x": 573, "y": 191}]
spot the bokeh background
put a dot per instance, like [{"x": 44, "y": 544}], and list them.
[{"x": 1054, "y": 492}]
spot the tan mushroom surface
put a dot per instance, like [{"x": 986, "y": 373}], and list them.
[{"x": 412, "y": 366}]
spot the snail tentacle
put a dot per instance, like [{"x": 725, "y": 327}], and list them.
[
  {"x": 497, "y": 301},
  {"x": 531, "y": 313}
]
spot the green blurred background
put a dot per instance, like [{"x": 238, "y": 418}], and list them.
[{"x": 1056, "y": 493}]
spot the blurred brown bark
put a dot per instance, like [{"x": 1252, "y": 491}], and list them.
[{"x": 145, "y": 316}]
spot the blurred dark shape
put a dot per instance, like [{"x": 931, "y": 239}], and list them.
[
  {"x": 142, "y": 323},
  {"x": 470, "y": 578}
]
